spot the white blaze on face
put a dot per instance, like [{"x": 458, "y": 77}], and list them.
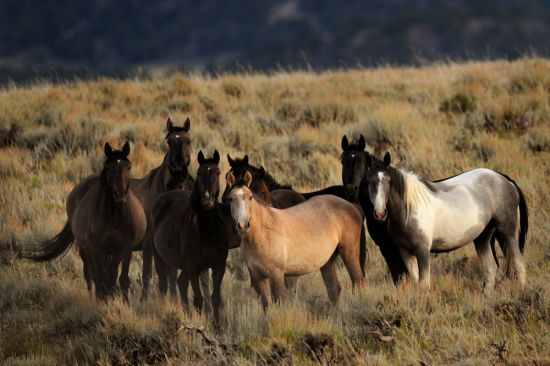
[
  {"x": 239, "y": 207},
  {"x": 380, "y": 198}
]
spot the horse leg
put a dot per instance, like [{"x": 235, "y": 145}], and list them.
[
  {"x": 172, "y": 277},
  {"x": 197, "y": 296},
  {"x": 483, "y": 244},
  {"x": 291, "y": 284},
  {"x": 412, "y": 265},
  {"x": 328, "y": 271},
  {"x": 350, "y": 256},
  {"x": 183, "y": 284},
  {"x": 98, "y": 268},
  {"x": 217, "y": 277},
  {"x": 278, "y": 289},
  {"x": 204, "y": 279},
  {"x": 124, "y": 279},
  {"x": 260, "y": 284},
  {"x": 147, "y": 264},
  {"x": 514, "y": 258},
  {"x": 423, "y": 260},
  {"x": 86, "y": 268},
  {"x": 162, "y": 270}
]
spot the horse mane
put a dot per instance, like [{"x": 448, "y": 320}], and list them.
[
  {"x": 269, "y": 180},
  {"x": 414, "y": 190}
]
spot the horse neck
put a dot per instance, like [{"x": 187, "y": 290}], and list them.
[
  {"x": 396, "y": 205},
  {"x": 105, "y": 199},
  {"x": 263, "y": 214}
]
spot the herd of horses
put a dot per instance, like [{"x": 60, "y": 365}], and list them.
[{"x": 180, "y": 223}]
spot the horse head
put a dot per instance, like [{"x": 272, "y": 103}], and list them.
[
  {"x": 354, "y": 165},
  {"x": 179, "y": 147},
  {"x": 378, "y": 180},
  {"x": 240, "y": 198},
  {"x": 116, "y": 171},
  {"x": 208, "y": 180}
]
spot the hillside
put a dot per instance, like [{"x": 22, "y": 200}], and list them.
[
  {"x": 60, "y": 39},
  {"x": 437, "y": 120}
]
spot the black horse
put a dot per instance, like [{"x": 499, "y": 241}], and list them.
[
  {"x": 190, "y": 233},
  {"x": 354, "y": 188}
]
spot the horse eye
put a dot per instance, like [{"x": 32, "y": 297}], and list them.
[
  {"x": 250, "y": 199},
  {"x": 230, "y": 199}
]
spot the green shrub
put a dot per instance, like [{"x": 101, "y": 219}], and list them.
[{"x": 458, "y": 103}]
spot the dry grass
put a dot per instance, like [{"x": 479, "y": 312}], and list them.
[{"x": 437, "y": 120}]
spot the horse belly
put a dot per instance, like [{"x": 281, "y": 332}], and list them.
[
  {"x": 303, "y": 258},
  {"x": 455, "y": 228}
]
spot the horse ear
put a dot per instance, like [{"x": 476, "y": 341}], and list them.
[
  {"x": 108, "y": 150},
  {"x": 230, "y": 178},
  {"x": 169, "y": 125},
  {"x": 261, "y": 172},
  {"x": 247, "y": 178},
  {"x": 200, "y": 157},
  {"x": 245, "y": 159},
  {"x": 126, "y": 149},
  {"x": 231, "y": 161},
  {"x": 187, "y": 125},
  {"x": 216, "y": 157},
  {"x": 369, "y": 159},
  {"x": 362, "y": 143},
  {"x": 387, "y": 159},
  {"x": 345, "y": 143}
]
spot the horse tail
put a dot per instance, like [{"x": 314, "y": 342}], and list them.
[
  {"x": 363, "y": 249},
  {"x": 495, "y": 256},
  {"x": 51, "y": 248},
  {"x": 523, "y": 214}
]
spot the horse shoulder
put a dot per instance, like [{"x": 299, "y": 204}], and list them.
[
  {"x": 170, "y": 204},
  {"x": 78, "y": 192},
  {"x": 138, "y": 216}
]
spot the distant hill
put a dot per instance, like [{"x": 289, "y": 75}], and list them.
[{"x": 65, "y": 38}]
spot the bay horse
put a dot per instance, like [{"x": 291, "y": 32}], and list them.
[
  {"x": 295, "y": 241},
  {"x": 171, "y": 174},
  {"x": 422, "y": 216},
  {"x": 106, "y": 221},
  {"x": 189, "y": 230}
]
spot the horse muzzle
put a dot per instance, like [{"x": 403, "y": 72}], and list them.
[
  {"x": 380, "y": 216},
  {"x": 208, "y": 204},
  {"x": 243, "y": 228},
  {"x": 120, "y": 197},
  {"x": 351, "y": 191}
]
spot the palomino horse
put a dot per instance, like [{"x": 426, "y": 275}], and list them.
[
  {"x": 190, "y": 232},
  {"x": 423, "y": 216},
  {"x": 297, "y": 240},
  {"x": 171, "y": 174},
  {"x": 271, "y": 192},
  {"x": 106, "y": 222}
]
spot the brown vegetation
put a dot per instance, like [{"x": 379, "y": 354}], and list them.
[{"x": 438, "y": 120}]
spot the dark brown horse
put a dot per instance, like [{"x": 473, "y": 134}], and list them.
[
  {"x": 190, "y": 232},
  {"x": 106, "y": 221},
  {"x": 171, "y": 174},
  {"x": 354, "y": 188}
]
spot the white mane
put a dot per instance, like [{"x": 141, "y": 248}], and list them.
[{"x": 416, "y": 192}]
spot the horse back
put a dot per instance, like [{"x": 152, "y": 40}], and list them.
[{"x": 78, "y": 192}]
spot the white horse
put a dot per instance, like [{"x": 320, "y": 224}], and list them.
[{"x": 424, "y": 216}]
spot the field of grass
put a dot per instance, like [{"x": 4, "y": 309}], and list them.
[{"x": 436, "y": 120}]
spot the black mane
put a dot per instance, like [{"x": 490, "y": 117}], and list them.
[{"x": 269, "y": 180}]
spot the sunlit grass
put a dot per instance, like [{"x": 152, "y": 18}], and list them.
[{"x": 436, "y": 120}]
